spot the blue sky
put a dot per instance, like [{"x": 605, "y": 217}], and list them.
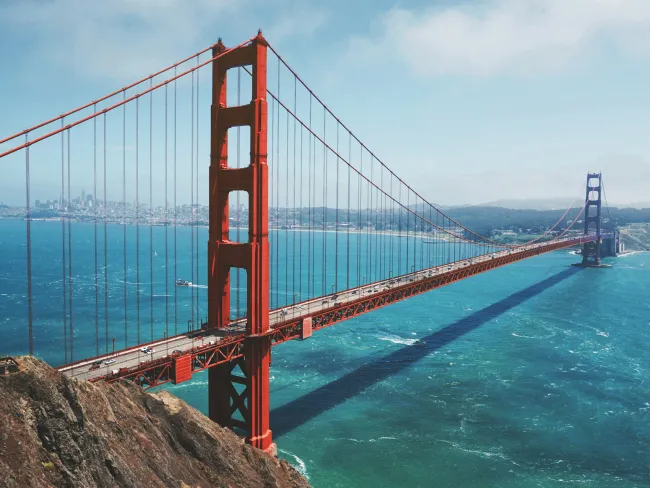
[{"x": 469, "y": 101}]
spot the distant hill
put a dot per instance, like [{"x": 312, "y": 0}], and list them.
[
  {"x": 531, "y": 204},
  {"x": 549, "y": 204}
]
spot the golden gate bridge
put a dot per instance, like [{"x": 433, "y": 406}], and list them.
[{"x": 306, "y": 228}]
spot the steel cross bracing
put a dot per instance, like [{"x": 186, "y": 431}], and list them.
[{"x": 208, "y": 348}]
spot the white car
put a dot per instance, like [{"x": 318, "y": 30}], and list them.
[
  {"x": 109, "y": 361},
  {"x": 146, "y": 350}
]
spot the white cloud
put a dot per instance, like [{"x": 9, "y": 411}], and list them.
[
  {"x": 507, "y": 36},
  {"x": 126, "y": 39},
  {"x": 298, "y": 22},
  {"x": 119, "y": 38}
]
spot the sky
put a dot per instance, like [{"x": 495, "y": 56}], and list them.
[{"x": 468, "y": 101}]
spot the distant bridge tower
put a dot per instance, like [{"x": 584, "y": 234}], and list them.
[
  {"x": 238, "y": 390},
  {"x": 591, "y": 250}
]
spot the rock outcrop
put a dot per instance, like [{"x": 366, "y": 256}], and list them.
[{"x": 60, "y": 432}]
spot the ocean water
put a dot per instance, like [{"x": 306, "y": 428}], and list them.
[{"x": 531, "y": 375}]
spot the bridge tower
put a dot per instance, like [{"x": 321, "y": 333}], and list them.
[
  {"x": 591, "y": 250},
  {"x": 238, "y": 391}
]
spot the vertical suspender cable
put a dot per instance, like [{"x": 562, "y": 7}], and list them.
[
  {"x": 286, "y": 220},
  {"x": 293, "y": 233},
  {"x": 70, "y": 261},
  {"x": 237, "y": 285},
  {"x": 105, "y": 246},
  {"x": 151, "y": 212},
  {"x": 272, "y": 189},
  {"x": 370, "y": 233},
  {"x": 378, "y": 227},
  {"x": 324, "y": 204},
  {"x": 300, "y": 279},
  {"x": 347, "y": 260},
  {"x": 95, "y": 230},
  {"x": 196, "y": 177},
  {"x": 126, "y": 342},
  {"x": 192, "y": 199},
  {"x": 397, "y": 209},
  {"x": 175, "y": 217},
  {"x": 408, "y": 227},
  {"x": 392, "y": 229},
  {"x": 309, "y": 221},
  {"x": 63, "y": 257},
  {"x": 277, "y": 199},
  {"x": 336, "y": 228},
  {"x": 166, "y": 221},
  {"x": 359, "y": 225},
  {"x": 30, "y": 332},
  {"x": 137, "y": 214}
]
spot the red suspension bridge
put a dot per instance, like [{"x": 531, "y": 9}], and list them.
[{"x": 310, "y": 230}]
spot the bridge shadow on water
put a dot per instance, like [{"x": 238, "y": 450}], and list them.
[{"x": 299, "y": 411}]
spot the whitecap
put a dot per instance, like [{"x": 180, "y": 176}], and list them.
[
  {"x": 399, "y": 340},
  {"x": 299, "y": 463}
]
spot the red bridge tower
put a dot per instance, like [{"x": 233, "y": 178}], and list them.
[{"x": 240, "y": 400}]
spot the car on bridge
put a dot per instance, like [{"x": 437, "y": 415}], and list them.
[
  {"x": 95, "y": 365},
  {"x": 147, "y": 350},
  {"x": 109, "y": 361}
]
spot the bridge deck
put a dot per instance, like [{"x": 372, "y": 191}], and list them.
[{"x": 211, "y": 347}]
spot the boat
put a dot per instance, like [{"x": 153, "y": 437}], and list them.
[{"x": 183, "y": 283}]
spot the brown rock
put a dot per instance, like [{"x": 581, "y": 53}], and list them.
[{"x": 61, "y": 432}]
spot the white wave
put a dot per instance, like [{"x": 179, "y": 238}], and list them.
[
  {"x": 399, "y": 340},
  {"x": 484, "y": 454},
  {"x": 299, "y": 463},
  {"x": 631, "y": 253},
  {"x": 362, "y": 441}
]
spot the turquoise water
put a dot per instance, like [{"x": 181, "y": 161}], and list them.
[{"x": 532, "y": 375}]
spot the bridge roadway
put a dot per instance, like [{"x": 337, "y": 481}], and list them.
[{"x": 133, "y": 356}]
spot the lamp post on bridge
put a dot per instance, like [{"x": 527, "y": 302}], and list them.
[{"x": 114, "y": 345}]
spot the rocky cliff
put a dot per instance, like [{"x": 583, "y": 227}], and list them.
[{"x": 56, "y": 431}]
